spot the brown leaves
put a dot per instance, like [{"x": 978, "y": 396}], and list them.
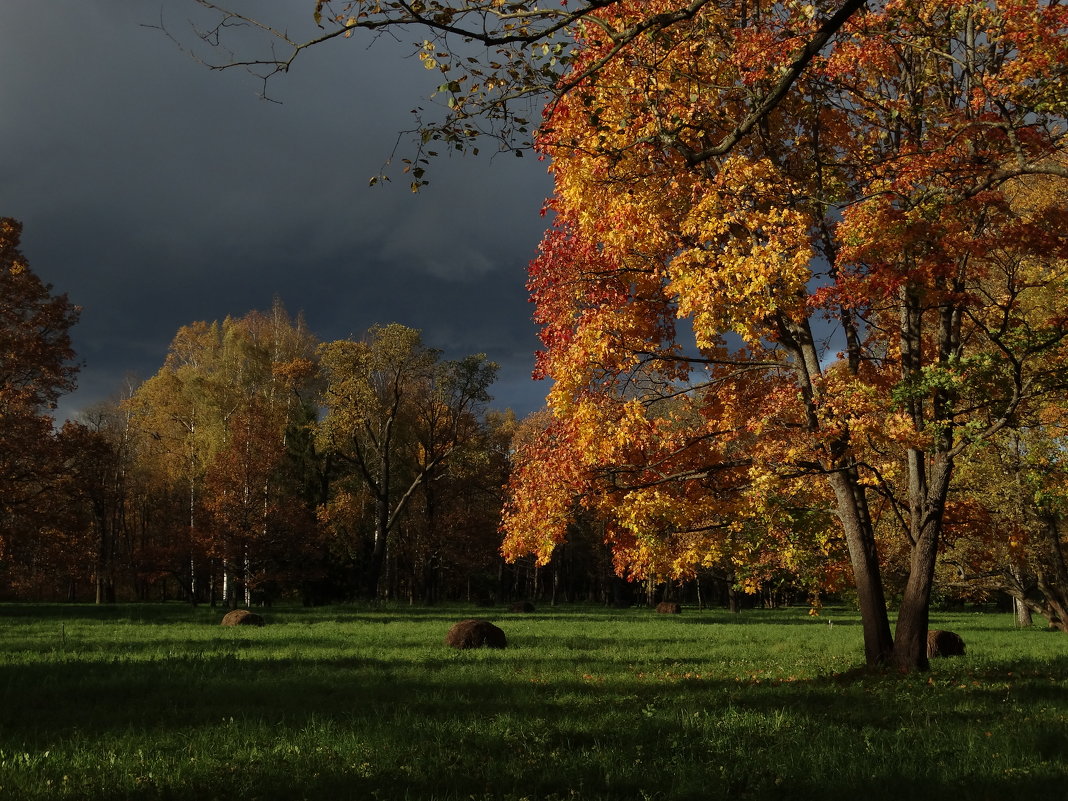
[
  {"x": 35, "y": 349},
  {"x": 35, "y": 369}
]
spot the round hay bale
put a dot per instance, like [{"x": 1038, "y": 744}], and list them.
[
  {"x": 669, "y": 608},
  {"x": 475, "y": 634},
  {"x": 944, "y": 643},
  {"x": 521, "y": 606},
  {"x": 242, "y": 617}
]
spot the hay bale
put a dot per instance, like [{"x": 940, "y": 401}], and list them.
[
  {"x": 944, "y": 643},
  {"x": 242, "y": 617},
  {"x": 669, "y": 608},
  {"x": 521, "y": 606},
  {"x": 475, "y": 634}
]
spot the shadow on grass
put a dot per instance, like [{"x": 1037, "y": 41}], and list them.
[
  {"x": 518, "y": 724},
  {"x": 279, "y": 782}
]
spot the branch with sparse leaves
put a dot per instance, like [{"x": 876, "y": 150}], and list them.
[{"x": 498, "y": 61}]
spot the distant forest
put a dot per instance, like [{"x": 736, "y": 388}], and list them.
[{"x": 259, "y": 464}]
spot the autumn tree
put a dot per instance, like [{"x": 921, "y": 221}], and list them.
[
  {"x": 1005, "y": 521},
  {"x": 217, "y": 420},
  {"x": 256, "y": 526},
  {"x": 35, "y": 370},
  {"x": 100, "y": 453},
  {"x": 396, "y": 414},
  {"x": 877, "y": 195},
  {"x": 180, "y": 413},
  {"x": 458, "y": 545}
]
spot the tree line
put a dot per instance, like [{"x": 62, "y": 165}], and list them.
[{"x": 259, "y": 463}]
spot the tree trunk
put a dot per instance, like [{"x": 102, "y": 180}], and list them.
[
  {"x": 860, "y": 540},
  {"x": 1053, "y": 577},
  {"x": 910, "y": 637},
  {"x": 850, "y": 499},
  {"x": 927, "y": 495},
  {"x": 1024, "y": 618},
  {"x": 102, "y": 553},
  {"x": 378, "y": 550},
  {"x": 1017, "y": 590}
]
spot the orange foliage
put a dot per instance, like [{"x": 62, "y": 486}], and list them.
[{"x": 839, "y": 296}]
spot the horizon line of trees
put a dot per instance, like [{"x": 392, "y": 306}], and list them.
[{"x": 259, "y": 464}]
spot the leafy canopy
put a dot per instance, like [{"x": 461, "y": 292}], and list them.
[{"x": 848, "y": 293}]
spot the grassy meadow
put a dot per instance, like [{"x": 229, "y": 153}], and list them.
[{"x": 160, "y": 702}]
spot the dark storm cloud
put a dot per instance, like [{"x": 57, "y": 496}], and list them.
[{"x": 155, "y": 193}]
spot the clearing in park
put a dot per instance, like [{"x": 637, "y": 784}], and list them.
[{"x": 349, "y": 702}]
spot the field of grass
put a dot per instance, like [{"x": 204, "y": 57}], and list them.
[{"x": 160, "y": 702}]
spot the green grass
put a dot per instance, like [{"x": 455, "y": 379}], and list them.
[{"x": 159, "y": 702}]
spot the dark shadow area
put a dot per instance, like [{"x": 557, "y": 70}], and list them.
[{"x": 776, "y": 734}]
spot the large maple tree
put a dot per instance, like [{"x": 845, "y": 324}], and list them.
[{"x": 855, "y": 277}]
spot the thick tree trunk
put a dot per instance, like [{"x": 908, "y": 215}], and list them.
[
  {"x": 850, "y": 499},
  {"x": 1024, "y": 617},
  {"x": 927, "y": 494},
  {"x": 1053, "y": 576},
  {"x": 1016, "y": 589},
  {"x": 734, "y": 604},
  {"x": 910, "y": 636},
  {"x": 860, "y": 540}
]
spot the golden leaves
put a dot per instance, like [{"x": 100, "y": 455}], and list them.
[
  {"x": 746, "y": 251},
  {"x": 880, "y": 179}
]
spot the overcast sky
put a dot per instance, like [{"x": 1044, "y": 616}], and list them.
[{"x": 155, "y": 192}]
